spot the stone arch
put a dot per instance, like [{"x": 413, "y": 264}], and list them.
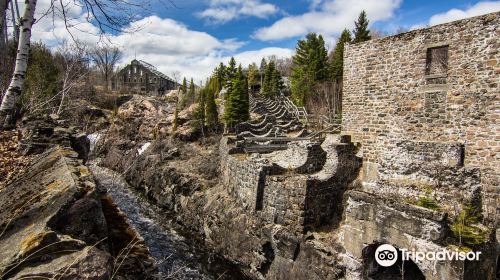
[{"x": 400, "y": 270}]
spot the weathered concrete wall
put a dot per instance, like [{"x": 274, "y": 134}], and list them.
[{"x": 404, "y": 120}]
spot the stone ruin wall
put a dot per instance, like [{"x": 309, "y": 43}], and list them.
[
  {"x": 291, "y": 187},
  {"x": 407, "y": 123}
]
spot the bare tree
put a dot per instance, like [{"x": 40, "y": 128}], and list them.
[
  {"x": 105, "y": 58},
  {"x": 75, "y": 70}
]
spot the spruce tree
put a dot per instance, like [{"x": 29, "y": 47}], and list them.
[
  {"x": 310, "y": 66},
  {"x": 276, "y": 82},
  {"x": 231, "y": 69},
  {"x": 263, "y": 67},
  {"x": 268, "y": 76},
  {"x": 211, "y": 118},
  {"x": 220, "y": 74},
  {"x": 337, "y": 64},
  {"x": 191, "y": 94},
  {"x": 237, "y": 104},
  {"x": 198, "y": 122},
  {"x": 361, "y": 32},
  {"x": 253, "y": 76}
]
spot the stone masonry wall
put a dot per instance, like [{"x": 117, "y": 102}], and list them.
[{"x": 390, "y": 103}]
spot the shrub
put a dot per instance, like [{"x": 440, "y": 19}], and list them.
[{"x": 466, "y": 228}]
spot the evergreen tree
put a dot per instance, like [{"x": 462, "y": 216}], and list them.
[
  {"x": 184, "y": 86},
  {"x": 263, "y": 67},
  {"x": 337, "y": 64},
  {"x": 231, "y": 69},
  {"x": 268, "y": 76},
  {"x": 237, "y": 104},
  {"x": 253, "y": 76},
  {"x": 191, "y": 93},
  {"x": 189, "y": 97},
  {"x": 211, "y": 118},
  {"x": 199, "y": 115},
  {"x": 276, "y": 82},
  {"x": 361, "y": 32},
  {"x": 220, "y": 74},
  {"x": 310, "y": 66}
]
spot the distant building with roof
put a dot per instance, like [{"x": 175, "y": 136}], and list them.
[{"x": 143, "y": 78}]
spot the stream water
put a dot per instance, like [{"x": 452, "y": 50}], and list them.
[{"x": 178, "y": 257}]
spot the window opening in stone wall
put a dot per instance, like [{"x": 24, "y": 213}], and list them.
[{"x": 437, "y": 61}]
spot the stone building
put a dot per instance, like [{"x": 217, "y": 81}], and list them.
[
  {"x": 423, "y": 108},
  {"x": 143, "y": 78}
]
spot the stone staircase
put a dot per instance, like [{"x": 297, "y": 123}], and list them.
[{"x": 280, "y": 122}]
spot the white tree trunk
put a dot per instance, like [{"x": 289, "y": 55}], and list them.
[{"x": 16, "y": 84}]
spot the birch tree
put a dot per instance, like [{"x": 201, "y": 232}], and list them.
[{"x": 16, "y": 84}]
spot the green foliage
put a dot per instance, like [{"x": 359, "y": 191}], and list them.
[
  {"x": 220, "y": 75},
  {"x": 42, "y": 78},
  {"x": 337, "y": 63},
  {"x": 212, "y": 117},
  {"x": 310, "y": 66},
  {"x": 231, "y": 69},
  {"x": 184, "y": 86},
  {"x": 189, "y": 98},
  {"x": 176, "y": 115},
  {"x": 253, "y": 75},
  {"x": 237, "y": 103},
  {"x": 273, "y": 82},
  {"x": 466, "y": 228},
  {"x": 428, "y": 202},
  {"x": 361, "y": 32},
  {"x": 199, "y": 115}
]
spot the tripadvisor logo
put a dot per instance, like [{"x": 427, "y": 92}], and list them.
[{"x": 386, "y": 255}]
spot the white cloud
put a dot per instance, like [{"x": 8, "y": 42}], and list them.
[
  {"x": 328, "y": 17},
  {"x": 222, "y": 11},
  {"x": 480, "y": 8},
  {"x": 167, "y": 44}
]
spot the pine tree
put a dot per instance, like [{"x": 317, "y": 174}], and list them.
[
  {"x": 253, "y": 76},
  {"x": 231, "y": 69},
  {"x": 310, "y": 66},
  {"x": 268, "y": 76},
  {"x": 262, "y": 69},
  {"x": 220, "y": 75},
  {"x": 337, "y": 64},
  {"x": 199, "y": 115},
  {"x": 211, "y": 119},
  {"x": 276, "y": 82},
  {"x": 361, "y": 32},
  {"x": 184, "y": 86},
  {"x": 237, "y": 103},
  {"x": 191, "y": 93}
]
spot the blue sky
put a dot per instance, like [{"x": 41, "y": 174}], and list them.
[{"x": 194, "y": 36}]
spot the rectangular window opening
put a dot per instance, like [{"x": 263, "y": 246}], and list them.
[{"x": 437, "y": 61}]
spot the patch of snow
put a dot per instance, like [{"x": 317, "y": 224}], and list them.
[{"x": 143, "y": 148}]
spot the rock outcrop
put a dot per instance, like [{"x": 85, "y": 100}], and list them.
[{"x": 54, "y": 223}]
